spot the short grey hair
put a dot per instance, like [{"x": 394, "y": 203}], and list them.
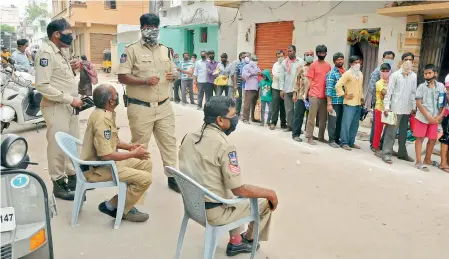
[
  {"x": 254, "y": 57},
  {"x": 102, "y": 94}
]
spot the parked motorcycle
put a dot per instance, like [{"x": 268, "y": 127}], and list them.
[
  {"x": 20, "y": 102},
  {"x": 26, "y": 208}
]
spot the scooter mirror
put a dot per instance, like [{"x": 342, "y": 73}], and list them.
[{"x": 25, "y": 207}]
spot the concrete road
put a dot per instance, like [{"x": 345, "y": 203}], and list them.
[{"x": 332, "y": 203}]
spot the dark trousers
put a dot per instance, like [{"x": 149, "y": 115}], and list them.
[
  {"x": 187, "y": 84},
  {"x": 251, "y": 97},
  {"x": 177, "y": 85},
  {"x": 298, "y": 117},
  {"x": 238, "y": 102},
  {"x": 220, "y": 89},
  {"x": 204, "y": 89},
  {"x": 390, "y": 136},
  {"x": 334, "y": 124},
  {"x": 277, "y": 107}
]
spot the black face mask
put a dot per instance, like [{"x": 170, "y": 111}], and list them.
[
  {"x": 66, "y": 39},
  {"x": 321, "y": 57},
  {"x": 430, "y": 79},
  {"x": 234, "y": 121},
  {"x": 211, "y": 57},
  {"x": 203, "y": 57}
]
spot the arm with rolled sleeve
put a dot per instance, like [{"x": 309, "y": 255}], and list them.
[
  {"x": 340, "y": 83},
  {"x": 43, "y": 78},
  {"x": 246, "y": 72},
  {"x": 390, "y": 90},
  {"x": 230, "y": 168}
]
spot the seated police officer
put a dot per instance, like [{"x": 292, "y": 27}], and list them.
[
  {"x": 208, "y": 157},
  {"x": 101, "y": 142}
]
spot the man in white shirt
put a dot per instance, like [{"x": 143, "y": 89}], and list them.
[
  {"x": 400, "y": 99},
  {"x": 277, "y": 105}
]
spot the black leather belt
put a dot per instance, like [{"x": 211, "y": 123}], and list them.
[
  {"x": 211, "y": 205},
  {"x": 143, "y": 103}
]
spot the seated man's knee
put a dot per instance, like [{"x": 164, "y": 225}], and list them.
[
  {"x": 147, "y": 166},
  {"x": 147, "y": 179}
]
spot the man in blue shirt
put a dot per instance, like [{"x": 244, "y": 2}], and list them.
[
  {"x": 186, "y": 70},
  {"x": 20, "y": 57},
  {"x": 200, "y": 77},
  {"x": 177, "y": 83}
]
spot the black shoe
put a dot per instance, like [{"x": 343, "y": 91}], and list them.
[
  {"x": 245, "y": 247},
  {"x": 284, "y": 126},
  {"x": 71, "y": 182},
  {"x": 288, "y": 129},
  {"x": 172, "y": 184},
  {"x": 61, "y": 190},
  {"x": 103, "y": 209}
]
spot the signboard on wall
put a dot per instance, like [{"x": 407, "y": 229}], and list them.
[{"x": 411, "y": 26}]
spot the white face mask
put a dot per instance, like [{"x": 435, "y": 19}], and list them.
[
  {"x": 280, "y": 59},
  {"x": 247, "y": 59},
  {"x": 356, "y": 67}
]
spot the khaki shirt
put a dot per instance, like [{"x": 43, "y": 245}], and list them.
[
  {"x": 143, "y": 61},
  {"x": 101, "y": 136},
  {"x": 55, "y": 79},
  {"x": 212, "y": 162}
]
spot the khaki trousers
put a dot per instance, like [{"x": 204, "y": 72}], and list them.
[
  {"x": 160, "y": 120},
  {"x": 135, "y": 172},
  {"x": 226, "y": 214},
  {"x": 59, "y": 117},
  {"x": 318, "y": 107}
]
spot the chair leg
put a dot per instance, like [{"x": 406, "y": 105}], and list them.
[
  {"x": 120, "y": 204},
  {"x": 77, "y": 203},
  {"x": 210, "y": 242},
  {"x": 181, "y": 235},
  {"x": 255, "y": 237},
  {"x": 82, "y": 198}
]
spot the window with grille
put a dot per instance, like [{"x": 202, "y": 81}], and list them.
[
  {"x": 110, "y": 4},
  {"x": 203, "y": 35}
]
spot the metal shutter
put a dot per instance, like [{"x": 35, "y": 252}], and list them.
[
  {"x": 98, "y": 43},
  {"x": 271, "y": 37}
]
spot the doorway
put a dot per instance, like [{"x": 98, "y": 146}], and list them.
[
  {"x": 435, "y": 49},
  {"x": 189, "y": 44},
  {"x": 365, "y": 44}
]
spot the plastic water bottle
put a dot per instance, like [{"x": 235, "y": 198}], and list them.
[
  {"x": 441, "y": 99},
  {"x": 306, "y": 104}
]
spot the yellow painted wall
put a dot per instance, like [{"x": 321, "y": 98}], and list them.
[{"x": 127, "y": 12}]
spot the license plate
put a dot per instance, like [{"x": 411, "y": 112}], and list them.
[{"x": 7, "y": 219}]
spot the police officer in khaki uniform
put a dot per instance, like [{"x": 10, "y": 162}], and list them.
[
  {"x": 101, "y": 142},
  {"x": 208, "y": 157},
  {"x": 147, "y": 69},
  {"x": 55, "y": 80}
]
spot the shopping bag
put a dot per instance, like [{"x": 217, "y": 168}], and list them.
[
  {"x": 221, "y": 80},
  {"x": 195, "y": 88},
  {"x": 257, "y": 111},
  {"x": 391, "y": 119}
]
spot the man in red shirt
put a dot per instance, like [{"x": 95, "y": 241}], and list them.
[{"x": 315, "y": 92}]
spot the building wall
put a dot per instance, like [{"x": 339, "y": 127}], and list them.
[
  {"x": 9, "y": 15},
  {"x": 227, "y": 32},
  {"x": 86, "y": 31},
  {"x": 127, "y": 12},
  {"x": 330, "y": 30},
  {"x": 175, "y": 38}
]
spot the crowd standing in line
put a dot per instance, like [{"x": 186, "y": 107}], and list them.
[{"x": 295, "y": 89}]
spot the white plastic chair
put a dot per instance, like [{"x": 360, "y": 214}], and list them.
[
  {"x": 194, "y": 208},
  {"x": 68, "y": 144}
]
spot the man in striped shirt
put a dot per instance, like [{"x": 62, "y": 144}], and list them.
[{"x": 186, "y": 70}]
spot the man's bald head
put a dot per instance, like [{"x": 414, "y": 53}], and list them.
[{"x": 102, "y": 95}]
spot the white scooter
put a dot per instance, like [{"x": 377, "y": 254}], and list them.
[{"x": 19, "y": 101}]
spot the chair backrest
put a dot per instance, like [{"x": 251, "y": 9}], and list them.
[
  {"x": 192, "y": 194},
  {"x": 69, "y": 145}
]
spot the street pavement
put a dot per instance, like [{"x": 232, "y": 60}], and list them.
[{"x": 332, "y": 203}]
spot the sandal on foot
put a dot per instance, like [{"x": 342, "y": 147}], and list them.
[
  {"x": 445, "y": 169},
  {"x": 422, "y": 167},
  {"x": 434, "y": 164}
]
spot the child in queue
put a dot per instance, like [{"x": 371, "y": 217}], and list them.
[{"x": 381, "y": 91}]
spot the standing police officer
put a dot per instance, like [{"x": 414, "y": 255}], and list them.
[
  {"x": 147, "y": 69},
  {"x": 55, "y": 80}
]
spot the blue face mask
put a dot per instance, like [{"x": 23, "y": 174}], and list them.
[
  {"x": 234, "y": 121},
  {"x": 389, "y": 62}
]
